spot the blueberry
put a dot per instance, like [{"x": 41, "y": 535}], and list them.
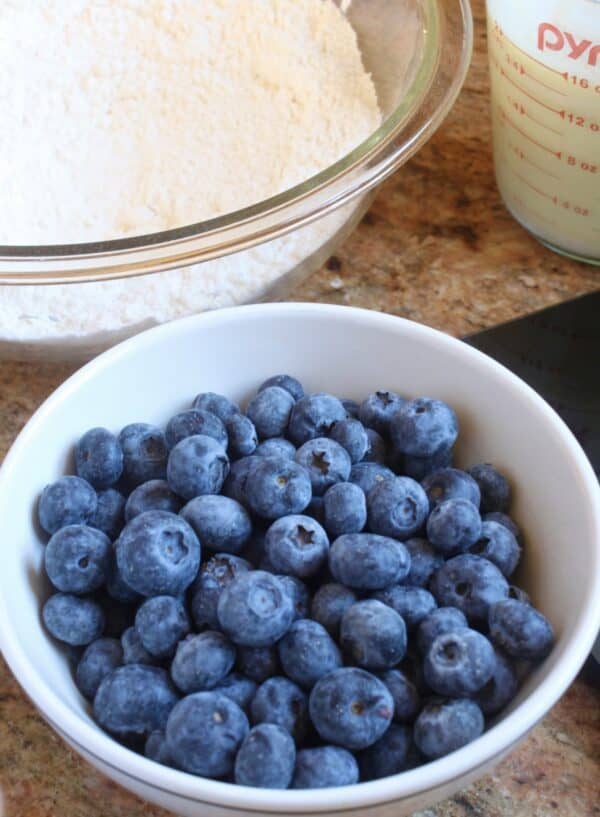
[
  {"x": 422, "y": 427},
  {"x": 99, "y": 458},
  {"x": 239, "y": 472},
  {"x": 216, "y": 404},
  {"x": 258, "y": 663},
  {"x": 154, "y": 495},
  {"x": 72, "y": 619},
  {"x": 377, "y": 410},
  {"x": 314, "y": 416},
  {"x": 453, "y": 526},
  {"x": 420, "y": 467},
  {"x": 100, "y": 658},
  {"x": 444, "y": 726},
  {"x": 500, "y": 689},
  {"x": 316, "y": 510},
  {"x": 397, "y": 507},
  {"x": 276, "y": 447},
  {"x": 391, "y": 754},
  {"x": 270, "y": 411},
  {"x": 214, "y": 576},
  {"x": 220, "y": 523},
  {"x": 351, "y": 708},
  {"x": 326, "y": 463},
  {"x": 278, "y": 487},
  {"x": 459, "y": 663},
  {"x": 411, "y": 603},
  {"x": 372, "y": 635},
  {"x": 368, "y": 474},
  {"x": 201, "y": 661},
  {"x": 470, "y": 583},
  {"x": 376, "y": 449},
  {"x": 195, "y": 421},
  {"x": 197, "y": 465},
  {"x": 116, "y": 586},
  {"x": 520, "y": 630},
  {"x": 161, "y": 623},
  {"x": 351, "y": 406},
  {"x": 266, "y": 758},
  {"x": 134, "y": 700},
  {"x": 109, "y": 514},
  {"x": 437, "y": 622},
  {"x": 255, "y": 610},
  {"x": 407, "y": 700},
  {"x": 494, "y": 487},
  {"x": 77, "y": 559},
  {"x": 284, "y": 381},
  {"x": 518, "y": 593},
  {"x": 498, "y": 544},
  {"x": 298, "y": 592},
  {"x": 366, "y": 561},
  {"x": 243, "y": 438},
  {"x": 281, "y": 701},
  {"x": 134, "y": 651},
  {"x": 155, "y": 748},
  {"x": 145, "y": 453},
  {"x": 352, "y": 436},
  {"x": 329, "y": 605},
  {"x": 158, "y": 553},
  {"x": 451, "y": 483},
  {"x": 324, "y": 767},
  {"x": 68, "y": 501},
  {"x": 296, "y": 545},
  {"x": 238, "y": 688},
  {"x": 424, "y": 561},
  {"x": 307, "y": 652},
  {"x": 345, "y": 509},
  {"x": 204, "y": 732}
]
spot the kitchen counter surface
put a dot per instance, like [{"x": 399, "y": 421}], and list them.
[{"x": 438, "y": 247}]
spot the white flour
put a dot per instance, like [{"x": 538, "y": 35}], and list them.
[{"x": 123, "y": 117}]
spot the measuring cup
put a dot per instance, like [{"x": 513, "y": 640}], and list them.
[{"x": 545, "y": 74}]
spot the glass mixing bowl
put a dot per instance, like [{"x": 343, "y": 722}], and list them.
[{"x": 417, "y": 52}]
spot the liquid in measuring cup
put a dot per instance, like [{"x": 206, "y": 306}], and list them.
[{"x": 545, "y": 74}]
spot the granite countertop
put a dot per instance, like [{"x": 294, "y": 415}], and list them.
[{"x": 437, "y": 246}]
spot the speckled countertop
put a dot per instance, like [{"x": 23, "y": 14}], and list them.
[{"x": 438, "y": 247}]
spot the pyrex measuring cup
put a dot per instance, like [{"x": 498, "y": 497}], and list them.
[{"x": 545, "y": 72}]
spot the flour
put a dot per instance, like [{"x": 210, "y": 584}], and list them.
[{"x": 125, "y": 117}]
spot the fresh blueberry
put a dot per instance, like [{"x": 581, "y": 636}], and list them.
[
  {"x": 158, "y": 553},
  {"x": 411, "y": 603},
  {"x": 369, "y": 474},
  {"x": 145, "y": 453},
  {"x": 351, "y": 708},
  {"x": 109, "y": 514},
  {"x": 451, "y": 483},
  {"x": 284, "y": 381},
  {"x": 345, "y": 509},
  {"x": 453, "y": 526},
  {"x": 329, "y": 605},
  {"x": 77, "y": 559},
  {"x": 470, "y": 583},
  {"x": 258, "y": 663},
  {"x": 99, "y": 458},
  {"x": 276, "y": 447},
  {"x": 423, "y": 427},
  {"x": 266, "y": 758},
  {"x": 100, "y": 658},
  {"x": 238, "y": 688},
  {"x": 116, "y": 586},
  {"x": 195, "y": 421},
  {"x": 134, "y": 700},
  {"x": 352, "y": 436},
  {"x": 314, "y": 416},
  {"x": 255, "y": 610},
  {"x": 407, "y": 700},
  {"x": 424, "y": 561},
  {"x": 444, "y": 726},
  {"x": 500, "y": 689},
  {"x": 498, "y": 544},
  {"x": 216, "y": 404},
  {"x": 459, "y": 663},
  {"x": 393, "y": 753},
  {"x": 68, "y": 501},
  {"x": 520, "y": 630},
  {"x": 376, "y": 449},
  {"x": 243, "y": 438},
  {"x": 154, "y": 495},
  {"x": 316, "y": 510},
  {"x": 204, "y": 732},
  {"x": 494, "y": 487},
  {"x": 239, "y": 472},
  {"x": 281, "y": 701},
  {"x": 324, "y": 767},
  {"x": 420, "y": 467},
  {"x": 270, "y": 411},
  {"x": 214, "y": 576},
  {"x": 378, "y": 408},
  {"x": 373, "y": 635},
  {"x": 366, "y": 561},
  {"x": 161, "y": 623},
  {"x": 351, "y": 406},
  {"x": 299, "y": 595},
  {"x": 155, "y": 748},
  {"x": 397, "y": 507},
  {"x": 326, "y": 463},
  {"x": 134, "y": 651},
  {"x": 197, "y": 465},
  {"x": 437, "y": 622},
  {"x": 278, "y": 487},
  {"x": 220, "y": 523},
  {"x": 503, "y": 519},
  {"x": 307, "y": 652},
  {"x": 296, "y": 545},
  {"x": 201, "y": 661}
]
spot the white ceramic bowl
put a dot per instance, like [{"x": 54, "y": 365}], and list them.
[{"x": 349, "y": 352}]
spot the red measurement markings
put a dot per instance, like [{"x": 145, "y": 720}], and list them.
[
  {"x": 520, "y": 109},
  {"x": 535, "y": 189},
  {"x": 525, "y": 158},
  {"x": 525, "y": 53},
  {"x": 526, "y": 93},
  {"x": 523, "y": 133},
  {"x": 518, "y": 200}
]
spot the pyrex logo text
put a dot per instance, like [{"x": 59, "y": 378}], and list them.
[{"x": 553, "y": 39}]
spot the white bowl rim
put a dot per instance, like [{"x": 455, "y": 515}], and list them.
[{"x": 492, "y": 743}]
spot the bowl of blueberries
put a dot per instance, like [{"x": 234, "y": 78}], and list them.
[{"x": 296, "y": 558}]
